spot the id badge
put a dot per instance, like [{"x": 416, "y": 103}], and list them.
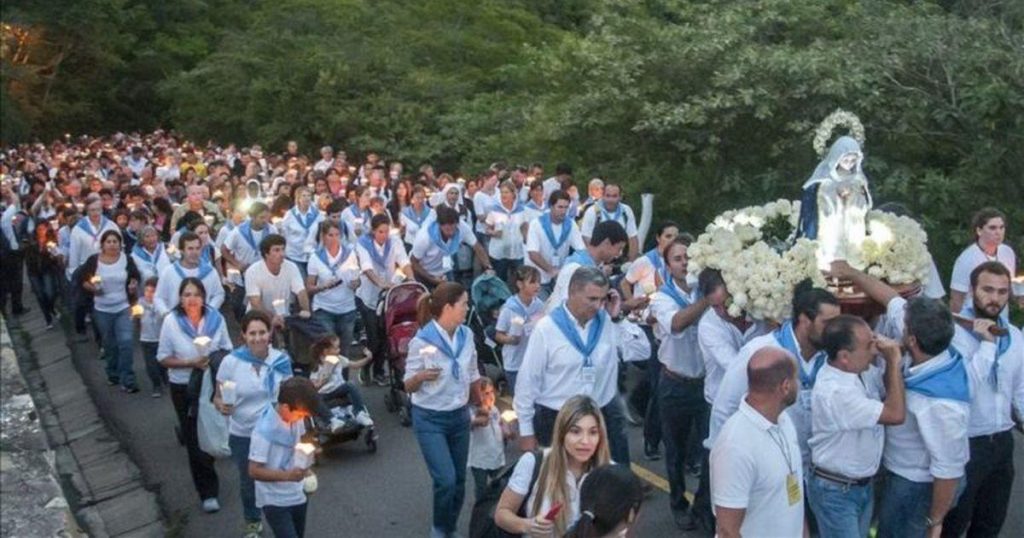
[
  {"x": 588, "y": 379},
  {"x": 446, "y": 264},
  {"x": 556, "y": 260},
  {"x": 793, "y": 492},
  {"x": 804, "y": 399}
]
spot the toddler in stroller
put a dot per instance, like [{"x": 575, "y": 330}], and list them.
[{"x": 337, "y": 395}]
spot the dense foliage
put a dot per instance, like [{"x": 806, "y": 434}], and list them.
[{"x": 709, "y": 104}]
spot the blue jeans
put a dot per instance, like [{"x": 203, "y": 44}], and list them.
[
  {"x": 118, "y": 337},
  {"x": 156, "y": 372},
  {"x": 841, "y": 510},
  {"x": 240, "y": 455},
  {"x": 444, "y": 440},
  {"x": 286, "y": 521},
  {"x": 44, "y": 286},
  {"x": 343, "y": 325},
  {"x": 905, "y": 505},
  {"x": 510, "y": 381}
]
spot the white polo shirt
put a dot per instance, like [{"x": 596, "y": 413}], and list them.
[
  {"x": 516, "y": 324},
  {"x": 260, "y": 282},
  {"x": 430, "y": 255},
  {"x": 932, "y": 441},
  {"x": 175, "y": 343},
  {"x": 277, "y": 457},
  {"x": 679, "y": 351},
  {"x": 482, "y": 203},
  {"x": 245, "y": 253},
  {"x": 395, "y": 260},
  {"x": 991, "y": 403},
  {"x": 299, "y": 240},
  {"x": 720, "y": 342},
  {"x": 750, "y": 463},
  {"x": 552, "y": 370},
  {"x": 251, "y": 395},
  {"x": 846, "y": 437},
  {"x": 340, "y": 299},
  {"x": 153, "y": 266},
  {"x": 356, "y": 222},
  {"x": 445, "y": 393},
  {"x": 537, "y": 241},
  {"x": 510, "y": 245},
  {"x": 595, "y": 215}
]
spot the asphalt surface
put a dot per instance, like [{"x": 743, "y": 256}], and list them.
[{"x": 386, "y": 494}]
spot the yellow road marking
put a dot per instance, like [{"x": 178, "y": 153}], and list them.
[{"x": 654, "y": 478}]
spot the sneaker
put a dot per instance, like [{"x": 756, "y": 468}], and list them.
[
  {"x": 651, "y": 453},
  {"x": 252, "y": 529},
  {"x": 380, "y": 380},
  {"x": 130, "y": 390},
  {"x": 336, "y": 425},
  {"x": 211, "y": 505},
  {"x": 363, "y": 418},
  {"x": 49, "y": 326},
  {"x": 155, "y": 393},
  {"x": 111, "y": 382}
]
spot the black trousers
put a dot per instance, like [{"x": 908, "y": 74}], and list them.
[
  {"x": 376, "y": 341},
  {"x": 11, "y": 269},
  {"x": 200, "y": 464},
  {"x": 684, "y": 415},
  {"x": 982, "y": 506}
]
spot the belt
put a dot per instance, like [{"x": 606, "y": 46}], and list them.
[
  {"x": 681, "y": 378},
  {"x": 992, "y": 436},
  {"x": 840, "y": 479}
]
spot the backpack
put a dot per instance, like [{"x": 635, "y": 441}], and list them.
[{"x": 481, "y": 522}]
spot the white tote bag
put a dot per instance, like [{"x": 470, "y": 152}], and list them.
[{"x": 213, "y": 426}]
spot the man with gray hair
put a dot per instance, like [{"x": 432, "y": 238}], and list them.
[
  {"x": 326, "y": 160},
  {"x": 925, "y": 457},
  {"x": 572, "y": 351}
]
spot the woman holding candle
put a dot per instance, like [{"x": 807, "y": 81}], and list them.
[
  {"x": 415, "y": 215},
  {"x": 383, "y": 261},
  {"x": 333, "y": 277},
  {"x": 248, "y": 381},
  {"x": 504, "y": 221},
  {"x": 299, "y": 228},
  {"x": 188, "y": 336},
  {"x": 42, "y": 263},
  {"x": 441, "y": 372},
  {"x": 112, "y": 278}
]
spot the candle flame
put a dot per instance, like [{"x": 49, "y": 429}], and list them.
[{"x": 508, "y": 415}]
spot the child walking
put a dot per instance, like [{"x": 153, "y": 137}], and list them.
[
  {"x": 149, "y": 337},
  {"x": 486, "y": 438}
]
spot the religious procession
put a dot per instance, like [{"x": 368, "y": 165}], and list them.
[{"x": 800, "y": 360}]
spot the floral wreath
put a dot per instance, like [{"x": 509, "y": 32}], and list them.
[
  {"x": 761, "y": 265},
  {"x": 840, "y": 117}
]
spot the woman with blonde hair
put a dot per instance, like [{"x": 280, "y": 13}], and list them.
[{"x": 579, "y": 445}]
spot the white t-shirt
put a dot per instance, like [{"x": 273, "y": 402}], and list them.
[
  {"x": 643, "y": 275},
  {"x": 434, "y": 260},
  {"x": 157, "y": 262},
  {"x": 150, "y": 322},
  {"x": 333, "y": 375},
  {"x": 276, "y": 457},
  {"x": 368, "y": 292},
  {"x": 340, "y": 299},
  {"x": 486, "y": 443},
  {"x": 260, "y": 282},
  {"x": 114, "y": 279},
  {"x": 750, "y": 463},
  {"x": 519, "y": 483},
  {"x": 444, "y": 393},
  {"x": 846, "y": 437},
  {"x": 679, "y": 352},
  {"x": 972, "y": 257},
  {"x": 175, "y": 343},
  {"x": 516, "y": 324},
  {"x": 482, "y": 203},
  {"x": 411, "y": 226},
  {"x": 251, "y": 395},
  {"x": 625, "y": 218},
  {"x": 299, "y": 241},
  {"x": 245, "y": 253},
  {"x": 720, "y": 341},
  {"x": 510, "y": 245},
  {"x": 537, "y": 241}
]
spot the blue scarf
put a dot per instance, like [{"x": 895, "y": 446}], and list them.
[
  {"x": 410, "y": 214},
  {"x": 567, "y": 326},
  {"x": 246, "y": 230},
  {"x": 86, "y": 226},
  {"x": 582, "y": 257},
  {"x": 1002, "y": 345},
  {"x": 153, "y": 260},
  {"x": 605, "y": 215},
  {"x": 947, "y": 382},
  {"x": 534, "y": 206},
  {"x": 669, "y": 288},
  {"x": 656, "y": 260},
  {"x": 432, "y": 335},
  {"x": 344, "y": 253},
  {"x": 379, "y": 260},
  {"x": 787, "y": 340},
  {"x": 211, "y": 323},
  {"x": 206, "y": 256},
  {"x": 516, "y": 305},
  {"x": 273, "y": 429},
  {"x": 365, "y": 214},
  {"x": 204, "y": 269},
  {"x": 309, "y": 220},
  {"x": 280, "y": 367},
  {"x": 546, "y": 225},
  {"x": 518, "y": 208},
  {"x": 452, "y": 246}
]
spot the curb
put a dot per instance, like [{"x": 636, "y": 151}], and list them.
[{"x": 103, "y": 486}]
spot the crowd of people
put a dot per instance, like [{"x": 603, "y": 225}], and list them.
[{"x": 821, "y": 423}]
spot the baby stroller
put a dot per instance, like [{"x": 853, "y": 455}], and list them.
[
  {"x": 341, "y": 409},
  {"x": 398, "y": 315},
  {"x": 487, "y": 294}
]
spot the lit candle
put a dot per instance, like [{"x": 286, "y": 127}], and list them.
[
  {"x": 649, "y": 289},
  {"x": 309, "y": 484},
  {"x": 332, "y": 359},
  {"x": 1018, "y": 285},
  {"x": 517, "y": 325},
  {"x": 201, "y": 342},
  {"x": 209, "y": 219},
  {"x": 508, "y": 416},
  {"x": 428, "y": 353},
  {"x": 171, "y": 250},
  {"x": 96, "y": 280},
  {"x": 303, "y": 458},
  {"x": 227, "y": 392},
  {"x": 232, "y": 272},
  {"x": 279, "y": 306},
  {"x": 275, "y": 220},
  {"x": 51, "y": 245},
  {"x": 137, "y": 310}
]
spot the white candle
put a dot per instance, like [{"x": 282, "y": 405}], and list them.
[
  {"x": 508, "y": 415},
  {"x": 309, "y": 484},
  {"x": 649, "y": 289},
  {"x": 233, "y": 272},
  {"x": 137, "y": 310},
  {"x": 428, "y": 353},
  {"x": 303, "y": 458},
  {"x": 227, "y": 392},
  {"x": 201, "y": 342},
  {"x": 279, "y": 307},
  {"x": 209, "y": 220},
  {"x": 517, "y": 325},
  {"x": 1018, "y": 286},
  {"x": 171, "y": 250},
  {"x": 96, "y": 280},
  {"x": 332, "y": 359}
]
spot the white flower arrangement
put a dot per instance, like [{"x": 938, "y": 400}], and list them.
[
  {"x": 761, "y": 266},
  {"x": 840, "y": 117}
]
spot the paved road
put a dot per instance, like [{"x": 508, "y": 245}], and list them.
[{"x": 361, "y": 494}]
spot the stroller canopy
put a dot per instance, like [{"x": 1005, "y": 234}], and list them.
[{"x": 488, "y": 293}]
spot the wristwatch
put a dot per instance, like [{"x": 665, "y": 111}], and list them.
[{"x": 929, "y": 522}]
